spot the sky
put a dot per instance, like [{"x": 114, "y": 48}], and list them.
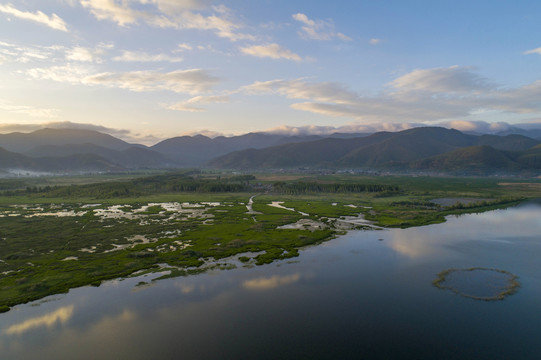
[{"x": 145, "y": 70}]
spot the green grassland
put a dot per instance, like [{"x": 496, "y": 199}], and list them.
[{"x": 59, "y": 236}]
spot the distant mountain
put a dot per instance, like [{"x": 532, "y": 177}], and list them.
[
  {"x": 419, "y": 149},
  {"x": 23, "y": 142},
  {"x": 401, "y": 150},
  {"x": 531, "y": 133},
  {"x": 133, "y": 157},
  {"x": 197, "y": 150},
  {"x": 473, "y": 160},
  {"x": 72, "y": 163}
]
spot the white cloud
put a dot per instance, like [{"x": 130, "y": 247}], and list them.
[
  {"x": 65, "y": 73},
  {"x": 273, "y": 51},
  {"x": 420, "y": 96},
  {"x": 183, "y": 47},
  {"x": 109, "y": 10},
  {"x": 300, "y": 89},
  {"x": 139, "y": 56},
  {"x": 453, "y": 79},
  {"x": 169, "y": 14},
  {"x": 24, "y": 54},
  {"x": 53, "y": 21},
  {"x": 192, "y": 81},
  {"x": 188, "y": 105},
  {"x": 318, "y": 29},
  {"x": 374, "y": 41},
  {"x": 82, "y": 54},
  {"x": 533, "y": 51}
]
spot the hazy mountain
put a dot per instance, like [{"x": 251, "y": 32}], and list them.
[
  {"x": 296, "y": 154},
  {"x": 72, "y": 163},
  {"x": 531, "y": 133},
  {"x": 23, "y": 142},
  {"x": 198, "y": 149},
  {"x": 133, "y": 157},
  {"x": 384, "y": 150}
]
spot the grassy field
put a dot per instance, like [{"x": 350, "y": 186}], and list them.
[{"x": 50, "y": 244}]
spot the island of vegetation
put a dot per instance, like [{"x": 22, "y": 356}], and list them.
[
  {"x": 478, "y": 283},
  {"x": 61, "y": 233}
]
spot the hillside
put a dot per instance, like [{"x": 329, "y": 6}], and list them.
[
  {"x": 426, "y": 149},
  {"x": 133, "y": 157},
  {"x": 23, "y": 142},
  {"x": 14, "y": 162},
  {"x": 197, "y": 150}
]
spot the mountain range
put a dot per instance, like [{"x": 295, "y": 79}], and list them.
[
  {"x": 423, "y": 149},
  {"x": 427, "y": 149}
]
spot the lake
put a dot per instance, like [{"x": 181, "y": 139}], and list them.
[{"x": 367, "y": 294}]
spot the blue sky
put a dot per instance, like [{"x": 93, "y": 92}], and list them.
[{"x": 149, "y": 69}]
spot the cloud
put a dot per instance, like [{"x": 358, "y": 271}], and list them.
[
  {"x": 267, "y": 283},
  {"x": 169, "y": 14},
  {"x": 69, "y": 73},
  {"x": 452, "y": 79},
  {"x": 374, "y": 41},
  {"x": 28, "y": 110},
  {"x": 533, "y": 51},
  {"x": 273, "y": 51},
  {"x": 425, "y": 95},
  {"x": 184, "y": 46},
  {"x": 82, "y": 54},
  {"x": 61, "y": 315},
  {"x": 188, "y": 105},
  {"x": 139, "y": 56},
  {"x": 301, "y": 89},
  {"x": 192, "y": 81},
  {"x": 318, "y": 29},
  {"x": 53, "y": 21}
]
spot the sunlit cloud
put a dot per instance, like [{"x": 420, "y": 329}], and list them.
[
  {"x": 53, "y": 21},
  {"x": 28, "y": 110},
  {"x": 184, "y": 47},
  {"x": 426, "y": 95},
  {"x": 61, "y": 316},
  {"x": 273, "y": 51},
  {"x": 452, "y": 79},
  {"x": 189, "y": 105},
  {"x": 170, "y": 14},
  {"x": 24, "y": 54},
  {"x": 192, "y": 81},
  {"x": 318, "y": 29},
  {"x": 82, "y": 54},
  {"x": 374, "y": 41},
  {"x": 533, "y": 51},
  {"x": 266, "y": 283},
  {"x": 140, "y": 56}
]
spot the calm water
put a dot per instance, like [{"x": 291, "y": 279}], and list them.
[{"x": 353, "y": 297}]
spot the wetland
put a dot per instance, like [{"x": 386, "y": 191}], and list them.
[{"x": 230, "y": 274}]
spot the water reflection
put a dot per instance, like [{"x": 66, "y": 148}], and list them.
[
  {"x": 61, "y": 316},
  {"x": 499, "y": 226},
  {"x": 265, "y": 283}
]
